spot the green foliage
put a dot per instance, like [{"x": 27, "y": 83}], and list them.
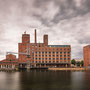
[
  {"x": 81, "y": 63},
  {"x": 78, "y": 63},
  {"x": 73, "y": 61}
]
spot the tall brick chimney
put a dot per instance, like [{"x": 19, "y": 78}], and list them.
[
  {"x": 45, "y": 40},
  {"x": 35, "y": 37}
]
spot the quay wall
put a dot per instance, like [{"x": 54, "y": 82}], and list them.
[{"x": 72, "y": 69}]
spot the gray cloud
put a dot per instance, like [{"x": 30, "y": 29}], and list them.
[{"x": 65, "y": 21}]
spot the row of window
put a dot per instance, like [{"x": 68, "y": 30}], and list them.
[
  {"x": 49, "y": 49},
  {"x": 45, "y": 48},
  {"x": 52, "y": 58},
  {"x": 49, "y": 61},
  {"x": 52, "y": 55},
  {"x": 53, "y": 52}
]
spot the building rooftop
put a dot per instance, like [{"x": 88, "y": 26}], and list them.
[{"x": 59, "y": 45}]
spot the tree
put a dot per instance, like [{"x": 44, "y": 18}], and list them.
[
  {"x": 78, "y": 63},
  {"x": 81, "y": 63},
  {"x": 73, "y": 61}
]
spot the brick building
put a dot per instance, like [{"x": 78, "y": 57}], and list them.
[
  {"x": 42, "y": 54},
  {"x": 86, "y": 55},
  {"x": 9, "y": 62}
]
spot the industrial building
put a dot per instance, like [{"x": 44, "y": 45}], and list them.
[{"x": 40, "y": 54}]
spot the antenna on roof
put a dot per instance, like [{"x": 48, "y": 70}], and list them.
[{"x": 25, "y": 32}]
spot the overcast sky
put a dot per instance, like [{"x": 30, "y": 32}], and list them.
[{"x": 65, "y": 21}]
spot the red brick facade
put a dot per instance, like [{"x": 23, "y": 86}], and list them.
[
  {"x": 9, "y": 62},
  {"x": 86, "y": 55},
  {"x": 43, "y": 53},
  {"x": 38, "y": 54}
]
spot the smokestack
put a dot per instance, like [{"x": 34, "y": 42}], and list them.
[{"x": 35, "y": 37}]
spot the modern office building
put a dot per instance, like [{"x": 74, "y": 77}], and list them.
[
  {"x": 86, "y": 55},
  {"x": 43, "y": 54}
]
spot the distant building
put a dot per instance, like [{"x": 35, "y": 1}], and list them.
[
  {"x": 86, "y": 55},
  {"x": 78, "y": 59},
  {"x": 42, "y": 54},
  {"x": 9, "y": 62}
]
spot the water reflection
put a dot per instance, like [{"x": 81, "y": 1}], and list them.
[
  {"x": 77, "y": 80},
  {"x": 9, "y": 81},
  {"x": 44, "y": 80}
]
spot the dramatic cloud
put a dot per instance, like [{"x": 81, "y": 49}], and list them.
[{"x": 65, "y": 21}]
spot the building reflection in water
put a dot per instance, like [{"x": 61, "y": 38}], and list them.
[
  {"x": 9, "y": 81},
  {"x": 77, "y": 80},
  {"x": 45, "y": 80},
  {"x": 87, "y": 80}
]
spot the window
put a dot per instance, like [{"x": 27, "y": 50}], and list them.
[
  {"x": 49, "y": 61},
  {"x": 39, "y": 45},
  {"x": 60, "y": 52}
]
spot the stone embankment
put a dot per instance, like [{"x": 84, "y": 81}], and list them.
[{"x": 72, "y": 69}]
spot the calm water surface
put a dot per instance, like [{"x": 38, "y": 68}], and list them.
[{"x": 45, "y": 80}]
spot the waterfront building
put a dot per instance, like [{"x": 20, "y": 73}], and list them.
[
  {"x": 38, "y": 54},
  {"x": 43, "y": 54},
  {"x": 86, "y": 55},
  {"x": 11, "y": 62}
]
